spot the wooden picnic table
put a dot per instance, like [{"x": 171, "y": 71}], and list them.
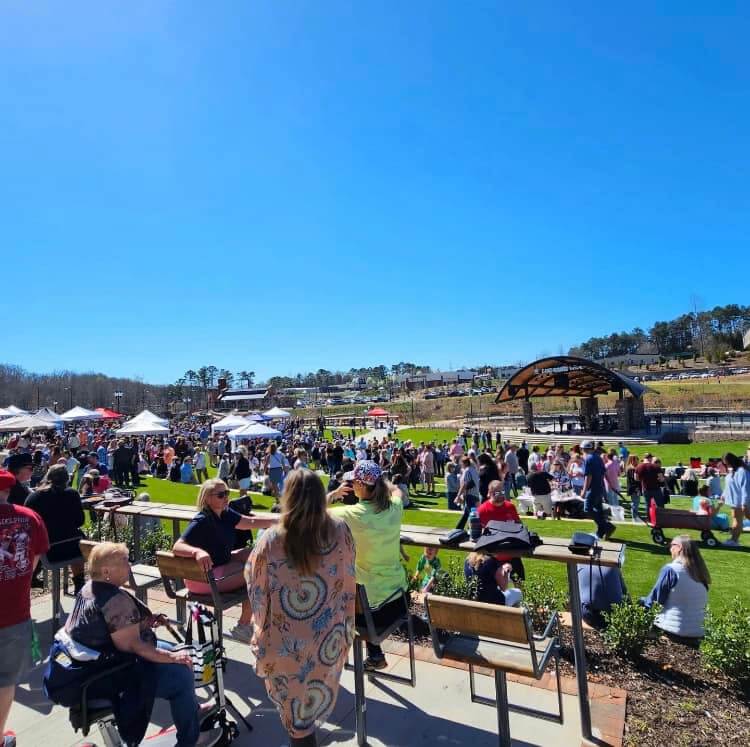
[{"x": 555, "y": 550}]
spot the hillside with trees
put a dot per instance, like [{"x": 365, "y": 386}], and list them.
[{"x": 710, "y": 333}]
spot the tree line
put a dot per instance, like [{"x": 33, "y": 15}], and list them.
[{"x": 708, "y": 333}]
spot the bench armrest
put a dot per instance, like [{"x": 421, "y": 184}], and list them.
[{"x": 553, "y": 622}]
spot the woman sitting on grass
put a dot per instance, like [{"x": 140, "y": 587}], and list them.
[
  {"x": 682, "y": 590},
  {"x": 493, "y": 579}
]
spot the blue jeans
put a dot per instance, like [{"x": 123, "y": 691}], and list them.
[
  {"x": 593, "y": 506},
  {"x": 470, "y": 501},
  {"x": 174, "y": 682}
]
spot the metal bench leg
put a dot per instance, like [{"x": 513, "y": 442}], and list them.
[
  {"x": 181, "y": 606},
  {"x": 56, "y": 602},
  {"x": 503, "y": 718},
  {"x": 360, "y": 702}
]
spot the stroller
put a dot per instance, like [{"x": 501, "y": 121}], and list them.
[{"x": 209, "y": 662}]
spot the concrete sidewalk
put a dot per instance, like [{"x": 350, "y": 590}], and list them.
[{"x": 437, "y": 711}]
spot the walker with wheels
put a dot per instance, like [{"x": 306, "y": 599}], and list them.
[{"x": 674, "y": 518}]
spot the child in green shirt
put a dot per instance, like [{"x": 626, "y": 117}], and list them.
[{"x": 427, "y": 568}]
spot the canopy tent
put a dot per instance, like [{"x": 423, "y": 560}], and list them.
[
  {"x": 254, "y": 430},
  {"x": 142, "y": 428},
  {"x": 229, "y": 423},
  {"x": 109, "y": 414},
  {"x": 50, "y": 416},
  {"x": 80, "y": 413},
  {"x": 258, "y": 417},
  {"x": 24, "y": 422},
  {"x": 378, "y": 412},
  {"x": 146, "y": 416},
  {"x": 276, "y": 413},
  {"x": 11, "y": 410}
]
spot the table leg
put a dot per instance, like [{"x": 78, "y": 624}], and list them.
[
  {"x": 176, "y": 529},
  {"x": 579, "y": 650}
]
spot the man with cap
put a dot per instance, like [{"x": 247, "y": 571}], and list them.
[
  {"x": 593, "y": 489},
  {"x": 23, "y": 538},
  {"x": 21, "y": 467}
]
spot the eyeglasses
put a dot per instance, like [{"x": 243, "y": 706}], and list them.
[{"x": 221, "y": 494}]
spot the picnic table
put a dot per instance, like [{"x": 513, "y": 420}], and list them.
[{"x": 555, "y": 550}]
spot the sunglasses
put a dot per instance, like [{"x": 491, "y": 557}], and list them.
[{"x": 221, "y": 494}]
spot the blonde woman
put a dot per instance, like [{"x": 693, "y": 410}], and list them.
[
  {"x": 108, "y": 619},
  {"x": 300, "y": 578},
  {"x": 682, "y": 590},
  {"x": 210, "y": 539}
]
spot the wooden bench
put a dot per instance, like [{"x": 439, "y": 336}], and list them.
[
  {"x": 498, "y": 638},
  {"x": 175, "y": 570},
  {"x": 141, "y": 578}
]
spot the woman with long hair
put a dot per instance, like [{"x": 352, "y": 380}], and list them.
[
  {"x": 736, "y": 495},
  {"x": 633, "y": 487},
  {"x": 210, "y": 539},
  {"x": 682, "y": 590},
  {"x": 488, "y": 473},
  {"x": 375, "y": 522},
  {"x": 300, "y": 580}
]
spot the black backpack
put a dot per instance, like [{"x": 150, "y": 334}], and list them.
[{"x": 506, "y": 535}]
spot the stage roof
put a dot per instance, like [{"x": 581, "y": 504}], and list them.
[{"x": 566, "y": 376}]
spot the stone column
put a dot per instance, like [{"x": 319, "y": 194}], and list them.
[
  {"x": 527, "y": 410},
  {"x": 624, "y": 409},
  {"x": 636, "y": 418},
  {"x": 589, "y": 410}
]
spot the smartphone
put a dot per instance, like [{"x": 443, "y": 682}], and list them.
[{"x": 350, "y": 499}]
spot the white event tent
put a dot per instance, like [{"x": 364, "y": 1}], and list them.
[
  {"x": 11, "y": 410},
  {"x": 80, "y": 413},
  {"x": 254, "y": 430},
  {"x": 24, "y": 422},
  {"x": 148, "y": 417},
  {"x": 49, "y": 415},
  {"x": 142, "y": 428},
  {"x": 277, "y": 413},
  {"x": 229, "y": 423}
]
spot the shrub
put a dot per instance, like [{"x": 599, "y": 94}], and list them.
[
  {"x": 452, "y": 582},
  {"x": 726, "y": 646},
  {"x": 542, "y": 597},
  {"x": 628, "y": 626},
  {"x": 152, "y": 541}
]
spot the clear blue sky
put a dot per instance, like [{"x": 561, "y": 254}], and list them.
[{"x": 287, "y": 186}]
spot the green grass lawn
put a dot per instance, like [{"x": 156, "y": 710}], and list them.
[{"x": 643, "y": 557}]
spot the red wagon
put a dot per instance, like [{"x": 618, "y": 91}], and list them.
[{"x": 675, "y": 518}]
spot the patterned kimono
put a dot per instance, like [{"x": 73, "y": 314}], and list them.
[{"x": 304, "y": 626}]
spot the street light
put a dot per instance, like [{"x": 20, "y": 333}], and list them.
[
  {"x": 69, "y": 390},
  {"x": 118, "y": 398},
  {"x": 54, "y": 404}
]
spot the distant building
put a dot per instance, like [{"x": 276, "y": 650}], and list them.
[
  {"x": 630, "y": 359},
  {"x": 434, "y": 378},
  {"x": 244, "y": 399}
]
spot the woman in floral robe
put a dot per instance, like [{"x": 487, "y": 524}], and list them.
[{"x": 300, "y": 579}]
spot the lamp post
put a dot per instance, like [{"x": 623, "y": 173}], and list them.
[
  {"x": 69, "y": 390},
  {"x": 118, "y": 398},
  {"x": 54, "y": 404}
]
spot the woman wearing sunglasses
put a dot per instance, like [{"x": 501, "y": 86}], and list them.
[{"x": 210, "y": 539}]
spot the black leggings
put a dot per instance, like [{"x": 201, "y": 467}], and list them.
[{"x": 382, "y": 617}]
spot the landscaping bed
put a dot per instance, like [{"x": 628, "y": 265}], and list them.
[{"x": 672, "y": 696}]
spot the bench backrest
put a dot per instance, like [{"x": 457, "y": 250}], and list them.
[
  {"x": 172, "y": 566},
  {"x": 86, "y": 547},
  {"x": 478, "y": 618}
]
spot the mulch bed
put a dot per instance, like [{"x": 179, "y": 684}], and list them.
[{"x": 672, "y": 698}]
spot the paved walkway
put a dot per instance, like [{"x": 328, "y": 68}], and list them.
[{"x": 437, "y": 712}]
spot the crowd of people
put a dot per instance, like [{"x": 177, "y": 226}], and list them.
[{"x": 299, "y": 615}]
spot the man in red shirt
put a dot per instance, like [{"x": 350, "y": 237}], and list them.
[
  {"x": 497, "y": 508},
  {"x": 648, "y": 473},
  {"x": 23, "y": 538}
]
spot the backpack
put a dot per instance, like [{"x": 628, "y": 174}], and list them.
[{"x": 498, "y": 536}]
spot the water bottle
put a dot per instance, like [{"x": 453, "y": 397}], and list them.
[{"x": 475, "y": 526}]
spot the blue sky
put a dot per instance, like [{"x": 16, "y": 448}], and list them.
[{"x": 287, "y": 186}]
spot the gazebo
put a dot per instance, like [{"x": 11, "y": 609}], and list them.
[{"x": 569, "y": 376}]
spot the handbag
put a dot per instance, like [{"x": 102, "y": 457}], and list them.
[
  {"x": 455, "y": 537},
  {"x": 202, "y": 654},
  {"x": 506, "y": 535}
]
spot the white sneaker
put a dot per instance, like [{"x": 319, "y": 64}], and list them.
[
  {"x": 730, "y": 543},
  {"x": 242, "y": 632}
]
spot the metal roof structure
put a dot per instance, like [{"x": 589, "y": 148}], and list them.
[{"x": 566, "y": 376}]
